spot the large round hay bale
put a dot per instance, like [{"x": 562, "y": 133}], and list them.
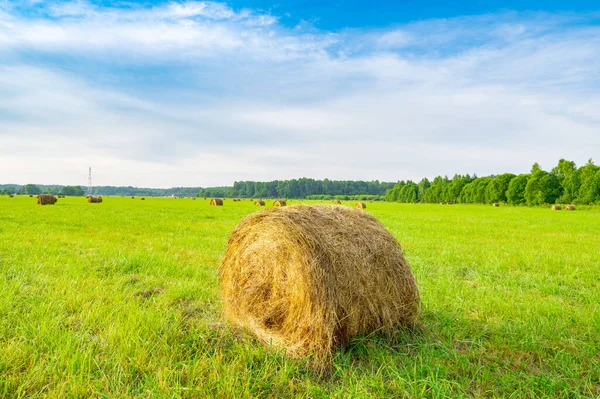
[
  {"x": 361, "y": 205},
  {"x": 570, "y": 208},
  {"x": 46, "y": 199},
  {"x": 309, "y": 278},
  {"x": 259, "y": 203},
  {"x": 496, "y": 205},
  {"x": 216, "y": 202},
  {"x": 556, "y": 207},
  {"x": 280, "y": 203},
  {"x": 337, "y": 202},
  {"x": 94, "y": 200}
]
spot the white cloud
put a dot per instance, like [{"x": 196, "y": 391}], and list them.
[{"x": 198, "y": 93}]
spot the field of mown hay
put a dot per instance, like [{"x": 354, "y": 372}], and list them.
[{"x": 121, "y": 300}]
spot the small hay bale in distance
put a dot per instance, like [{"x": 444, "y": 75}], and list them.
[
  {"x": 360, "y": 205},
  {"x": 259, "y": 203},
  {"x": 556, "y": 207},
  {"x": 280, "y": 203},
  {"x": 570, "y": 208},
  {"x": 216, "y": 202},
  {"x": 143, "y": 199},
  {"x": 496, "y": 205},
  {"x": 308, "y": 278},
  {"x": 11, "y": 196},
  {"x": 94, "y": 200},
  {"x": 337, "y": 202},
  {"x": 46, "y": 199}
]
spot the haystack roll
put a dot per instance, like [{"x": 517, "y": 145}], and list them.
[
  {"x": 360, "y": 205},
  {"x": 337, "y": 202},
  {"x": 216, "y": 202},
  {"x": 259, "y": 203},
  {"x": 94, "y": 200},
  {"x": 496, "y": 205},
  {"x": 309, "y": 278},
  {"x": 280, "y": 203},
  {"x": 46, "y": 199},
  {"x": 556, "y": 207},
  {"x": 570, "y": 208}
]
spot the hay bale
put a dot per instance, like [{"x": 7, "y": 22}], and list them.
[
  {"x": 570, "y": 208},
  {"x": 360, "y": 205},
  {"x": 30, "y": 195},
  {"x": 556, "y": 207},
  {"x": 442, "y": 203},
  {"x": 10, "y": 196},
  {"x": 94, "y": 200},
  {"x": 46, "y": 199},
  {"x": 496, "y": 205},
  {"x": 337, "y": 202},
  {"x": 309, "y": 278},
  {"x": 259, "y": 203},
  {"x": 216, "y": 202},
  {"x": 280, "y": 203},
  {"x": 143, "y": 199}
]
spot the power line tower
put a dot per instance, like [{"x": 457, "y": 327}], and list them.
[{"x": 89, "y": 193}]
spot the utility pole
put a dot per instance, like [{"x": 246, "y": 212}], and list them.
[{"x": 89, "y": 193}]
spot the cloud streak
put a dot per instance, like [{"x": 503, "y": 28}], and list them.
[{"x": 201, "y": 93}]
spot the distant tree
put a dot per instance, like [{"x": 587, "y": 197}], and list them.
[
  {"x": 496, "y": 189},
  {"x": 568, "y": 177},
  {"x": 542, "y": 187},
  {"x": 424, "y": 185},
  {"x": 515, "y": 194},
  {"x": 474, "y": 192},
  {"x": 32, "y": 189},
  {"x": 589, "y": 191},
  {"x": 74, "y": 191}
]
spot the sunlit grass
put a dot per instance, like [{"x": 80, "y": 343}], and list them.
[{"x": 120, "y": 300}]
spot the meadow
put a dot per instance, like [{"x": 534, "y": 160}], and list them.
[{"x": 121, "y": 300}]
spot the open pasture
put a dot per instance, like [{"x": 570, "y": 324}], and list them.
[{"x": 120, "y": 300}]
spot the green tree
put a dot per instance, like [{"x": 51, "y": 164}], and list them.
[
  {"x": 515, "y": 194},
  {"x": 568, "y": 177},
  {"x": 74, "y": 191},
  {"x": 496, "y": 189},
  {"x": 542, "y": 187},
  {"x": 589, "y": 191},
  {"x": 31, "y": 189}
]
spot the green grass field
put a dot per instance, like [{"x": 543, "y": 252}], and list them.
[{"x": 120, "y": 300}]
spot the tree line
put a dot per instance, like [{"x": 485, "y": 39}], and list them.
[
  {"x": 565, "y": 183},
  {"x": 35, "y": 189},
  {"x": 299, "y": 188}
]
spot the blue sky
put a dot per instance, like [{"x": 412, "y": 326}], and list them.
[{"x": 193, "y": 93}]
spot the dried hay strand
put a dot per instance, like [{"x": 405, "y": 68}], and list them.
[
  {"x": 259, "y": 203},
  {"x": 360, "y": 205},
  {"x": 94, "y": 200},
  {"x": 556, "y": 207},
  {"x": 570, "y": 208},
  {"x": 337, "y": 202},
  {"x": 46, "y": 199},
  {"x": 496, "y": 205},
  {"x": 309, "y": 278},
  {"x": 216, "y": 202},
  {"x": 280, "y": 203}
]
